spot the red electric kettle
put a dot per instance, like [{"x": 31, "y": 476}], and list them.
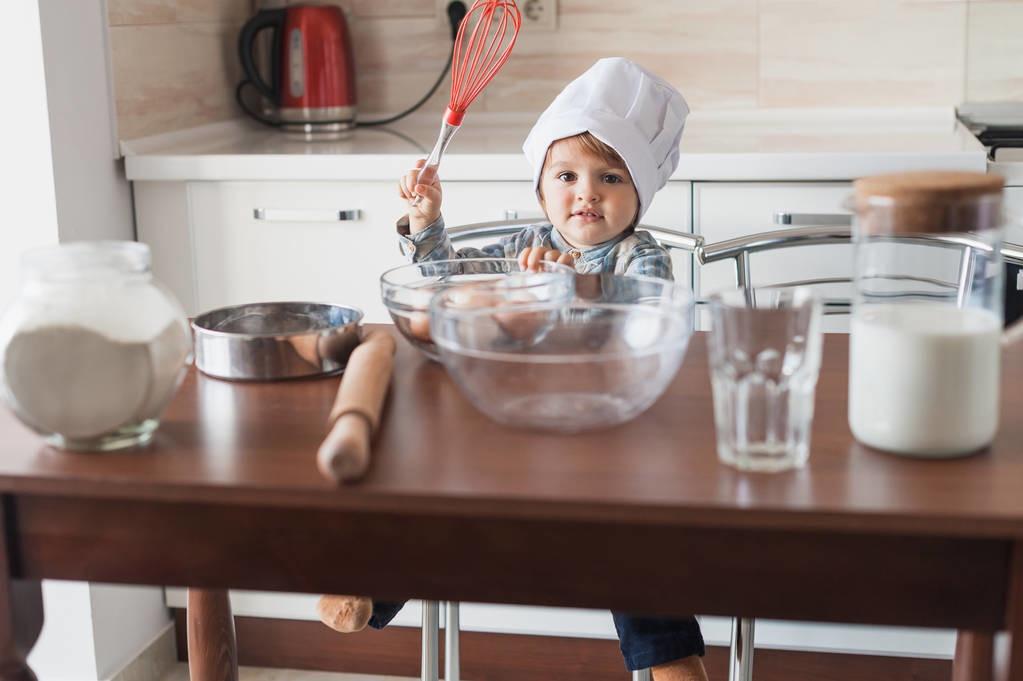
[{"x": 312, "y": 73}]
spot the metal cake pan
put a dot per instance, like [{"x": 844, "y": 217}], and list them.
[{"x": 275, "y": 341}]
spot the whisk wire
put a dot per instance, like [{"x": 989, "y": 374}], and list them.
[
  {"x": 471, "y": 64},
  {"x": 477, "y": 56},
  {"x": 478, "y": 59},
  {"x": 492, "y": 59}
]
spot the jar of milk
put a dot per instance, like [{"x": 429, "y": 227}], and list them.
[
  {"x": 927, "y": 313},
  {"x": 93, "y": 348}
]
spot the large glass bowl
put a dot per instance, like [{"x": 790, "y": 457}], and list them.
[
  {"x": 407, "y": 290},
  {"x": 594, "y": 362}
]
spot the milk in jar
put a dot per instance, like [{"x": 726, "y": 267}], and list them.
[
  {"x": 924, "y": 351},
  {"x": 923, "y": 379}
]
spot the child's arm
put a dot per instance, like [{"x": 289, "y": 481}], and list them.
[
  {"x": 427, "y": 188},
  {"x": 424, "y": 238},
  {"x": 648, "y": 258}
]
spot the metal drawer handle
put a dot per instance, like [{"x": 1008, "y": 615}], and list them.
[
  {"x": 285, "y": 215},
  {"x": 804, "y": 219}
]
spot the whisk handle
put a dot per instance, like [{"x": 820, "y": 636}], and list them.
[{"x": 447, "y": 131}]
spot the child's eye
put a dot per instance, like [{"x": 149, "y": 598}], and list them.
[
  {"x": 566, "y": 176},
  {"x": 612, "y": 179}
]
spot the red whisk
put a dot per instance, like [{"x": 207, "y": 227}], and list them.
[{"x": 475, "y": 62}]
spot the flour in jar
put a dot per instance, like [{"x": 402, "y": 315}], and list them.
[
  {"x": 923, "y": 378},
  {"x": 76, "y": 382},
  {"x": 88, "y": 365}
]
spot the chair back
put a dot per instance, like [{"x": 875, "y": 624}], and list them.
[
  {"x": 964, "y": 249},
  {"x": 741, "y": 249}
]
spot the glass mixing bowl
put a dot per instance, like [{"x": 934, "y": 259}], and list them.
[
  {"x": 407, "y": 290},
  {"x": 596, "y": 361}
]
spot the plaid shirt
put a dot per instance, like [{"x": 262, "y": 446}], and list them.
[{"x": 631, "y": 252}]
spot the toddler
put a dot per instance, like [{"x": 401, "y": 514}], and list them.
[{"x": 599, "y": 153}]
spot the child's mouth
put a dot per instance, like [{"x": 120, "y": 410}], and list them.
[{"x": 587, "y": 216}]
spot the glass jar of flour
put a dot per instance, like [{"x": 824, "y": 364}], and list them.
[
  {"x": 927, "y": 316},
  {"x": 93, "y": 348}
]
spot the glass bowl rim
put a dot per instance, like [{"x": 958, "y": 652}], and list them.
[
  {"x": 683, "y": 314},
  {"x": 386, "y": 278}
]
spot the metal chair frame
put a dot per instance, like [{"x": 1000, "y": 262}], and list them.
[{"x": 740, "y": 250}]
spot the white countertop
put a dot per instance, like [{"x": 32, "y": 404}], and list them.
[{"x": 760, "y": 144}]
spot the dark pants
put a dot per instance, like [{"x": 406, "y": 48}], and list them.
[{"x": 645, "y": 641}]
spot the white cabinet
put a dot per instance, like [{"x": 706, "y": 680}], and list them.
[
  {"x": 672, "y": 209},
  {"x": 1014, "y": 211},
  {"x": 258, "y": 241},
  {"x": 468, "y": 202},
  {"x": 725, "y": 210},
  {"x": 227, "y": 243}
]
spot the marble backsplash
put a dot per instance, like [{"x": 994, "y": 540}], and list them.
[{"x": 175, "y": 63}]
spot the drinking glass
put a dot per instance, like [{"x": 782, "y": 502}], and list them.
[{"x": 765, "y": 354}]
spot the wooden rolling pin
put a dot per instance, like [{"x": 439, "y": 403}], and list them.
[{"x": 344, "y": 454}]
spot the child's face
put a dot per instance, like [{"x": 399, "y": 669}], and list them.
[{"x": 587, "y": 199}]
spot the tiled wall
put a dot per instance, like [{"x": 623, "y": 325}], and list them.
[{"x": 175, "y": 64}]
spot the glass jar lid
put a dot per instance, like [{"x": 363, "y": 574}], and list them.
[
  {"x": 928, "y": 202},
  {"x": 87, "y": 260}
]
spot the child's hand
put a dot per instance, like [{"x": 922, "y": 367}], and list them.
[
  {"x": 531, "y": 256},
  {"x": 426, "y": 213}
]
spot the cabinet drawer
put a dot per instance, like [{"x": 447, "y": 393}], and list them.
[
  {"x": 469, "y": 202},
  {"x": 317, "y": 241}
]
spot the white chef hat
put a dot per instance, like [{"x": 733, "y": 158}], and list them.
[{"x": 626, "y": 107}]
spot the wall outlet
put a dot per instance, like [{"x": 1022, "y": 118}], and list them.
[{"x": 537, "y": 15}]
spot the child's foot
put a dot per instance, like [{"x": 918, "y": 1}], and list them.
[
  {"x": 686, "y": 669},
  {"x": 345, "y": 613}
]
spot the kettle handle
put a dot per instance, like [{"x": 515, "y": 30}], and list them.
[{"x": 274, "y": 19}]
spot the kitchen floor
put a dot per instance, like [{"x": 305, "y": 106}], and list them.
[{"x": 180, "y": 673}]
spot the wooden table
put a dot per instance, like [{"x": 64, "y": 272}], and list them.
[{"x": 640, "y": 517}]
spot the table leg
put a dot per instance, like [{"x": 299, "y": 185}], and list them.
[
  {"x": 1014, "y": 618},
  {"x": 21, "y": 611},
  {"x": 212, "y": 651},
  {"x": 974, "y": 656}
]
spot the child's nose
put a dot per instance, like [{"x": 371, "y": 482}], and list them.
[{"x": 586, "y": 191}]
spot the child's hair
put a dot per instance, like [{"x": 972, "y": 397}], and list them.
[{"x": 590, "y": 143}]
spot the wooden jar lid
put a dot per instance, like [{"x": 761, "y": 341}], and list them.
[{"x": 928, "y": 202}]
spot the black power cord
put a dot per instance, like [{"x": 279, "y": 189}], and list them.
[{"x": 456, "y": 13}]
